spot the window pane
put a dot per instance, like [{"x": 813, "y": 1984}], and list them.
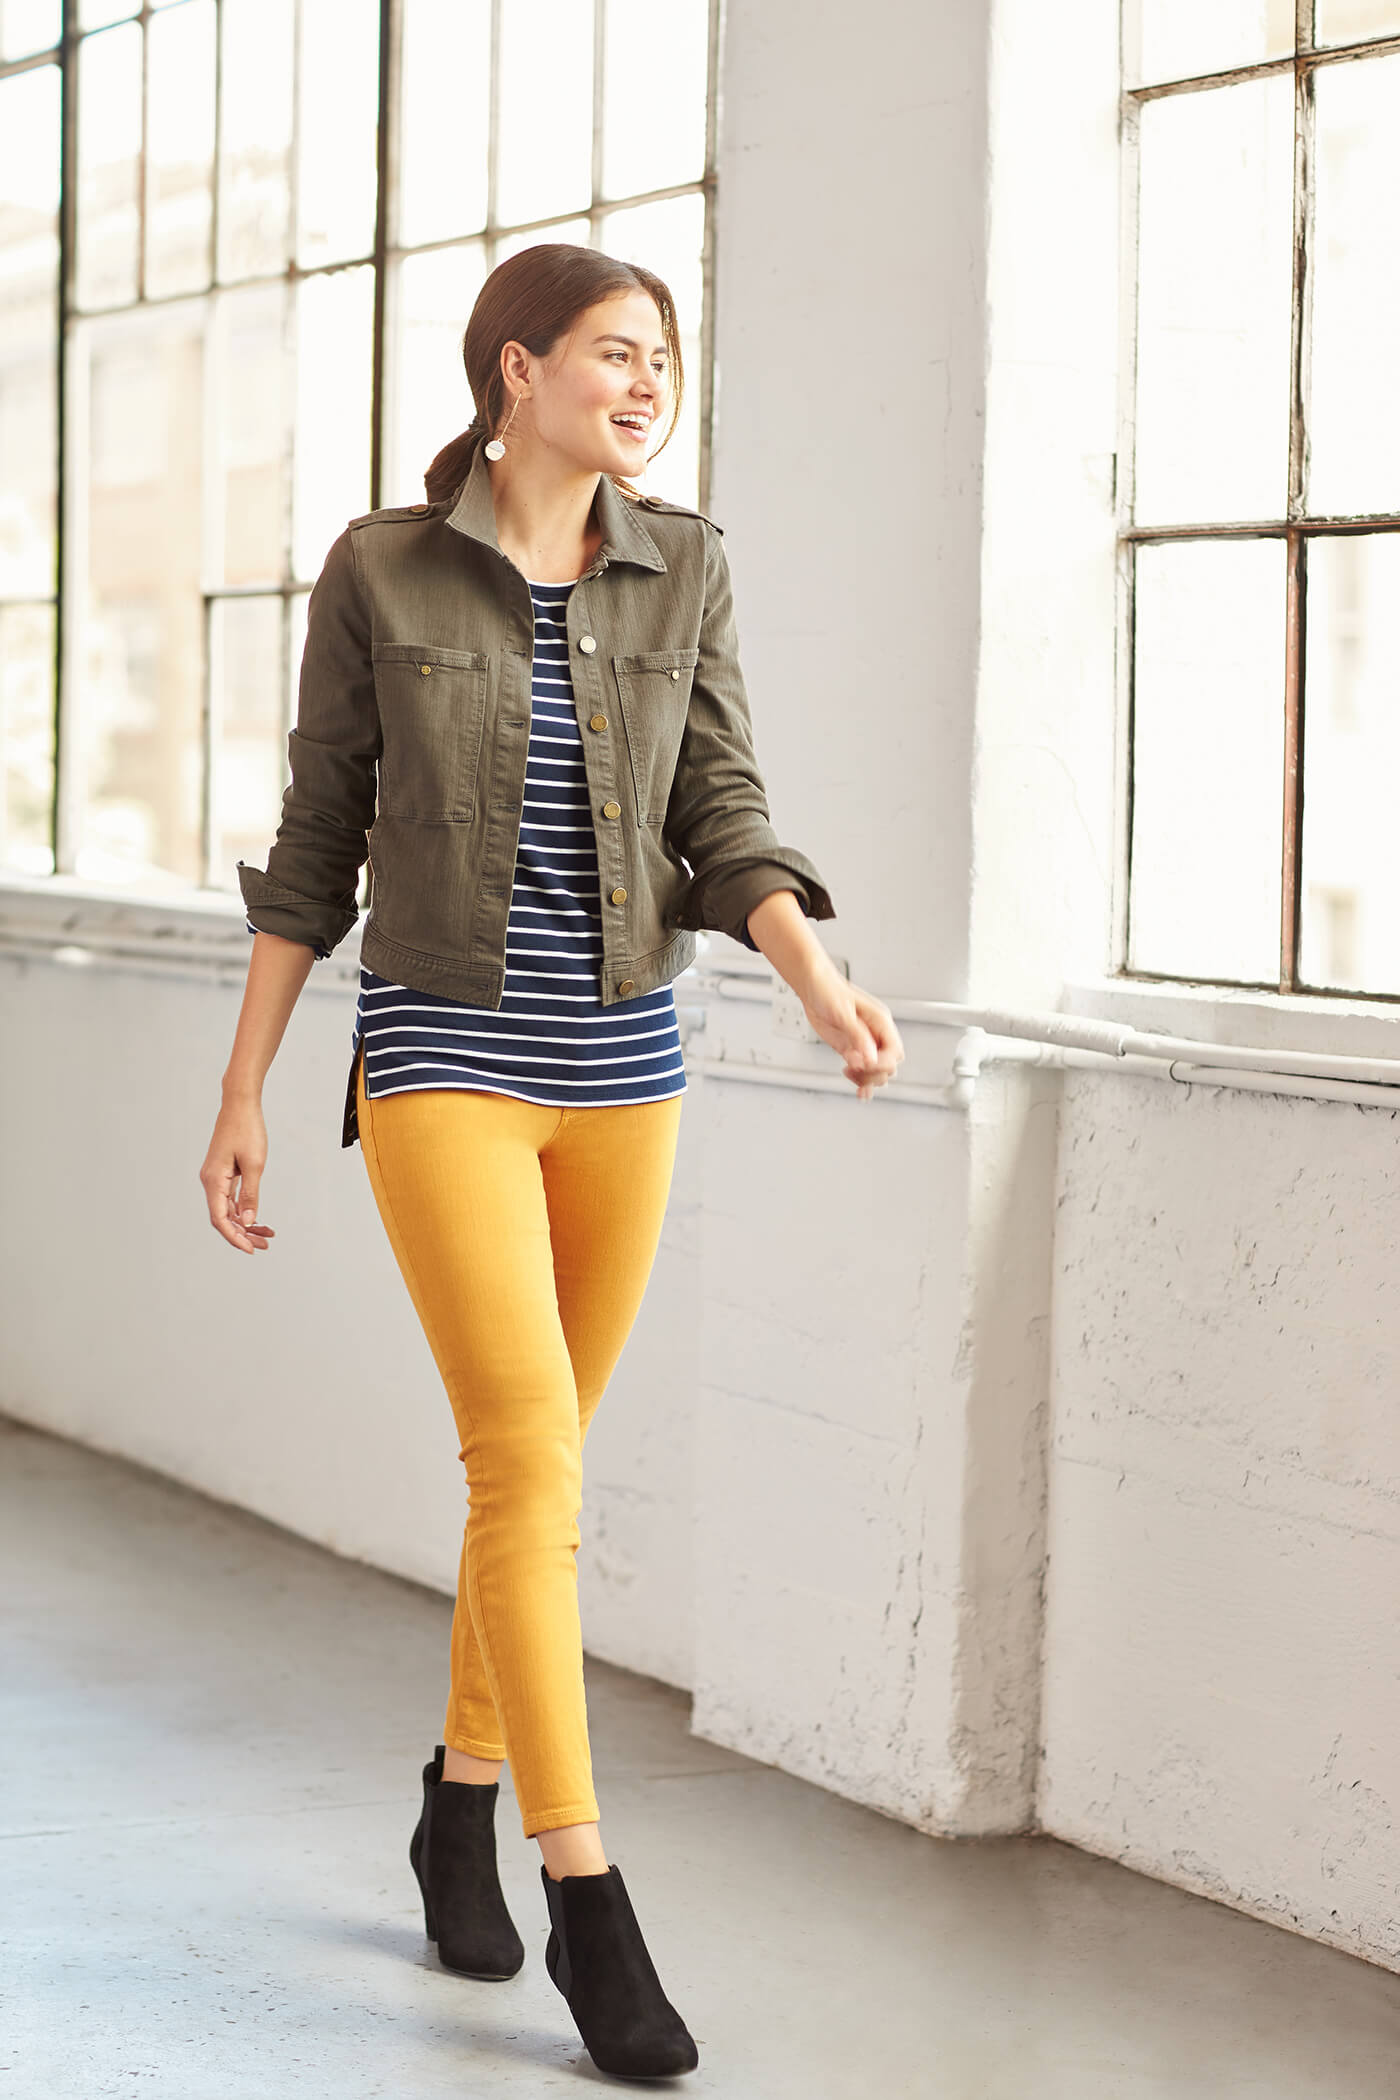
[
  {"x": 255, "y": 196},
  {"x": 1352, "y": 21},
  {"x": 339, "y": 112},
  {"x": 1215, "y": 289},
  {"x": 295, "y": 650},
  {"x": 334, "y": 317},
  {"x": 134, "y": 701},
  {"x": 568, "y": 230},
  {"x": 430, "y": 399},
  {"x": 29, "y": 25},
  {"x": 1183, "y": 38},
  {"x": 179, "y": 148},
  {"x": 546, "y": 103},
  {"x": 668, "y": 237},
  {"x": 446, "y": 88},
  {"x": 248, "y": 710},
  {"x": 109, "y": 166},
  {"x": 1355, "y": 443},
  {"x": 26, "y": 738},
  {"x": 1208, "y": 759},
  {"x": 654, "y": 95},
  {"x": 1351, "y": 847},
  {"x": 251, "y": 374},
  {"x": 92, "y": 14},
  {"x": 29, "y": 347}
]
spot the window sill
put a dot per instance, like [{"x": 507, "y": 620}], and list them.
[
  {"x": 203, "y": 933},
  {"x": 1212, "y": 1013}
]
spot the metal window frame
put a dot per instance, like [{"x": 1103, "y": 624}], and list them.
[
  {"x": 1297, "y": 527},
  {"x": 384, "y": 256}
]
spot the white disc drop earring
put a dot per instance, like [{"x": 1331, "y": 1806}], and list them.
[{"x": 495, "y": 449}]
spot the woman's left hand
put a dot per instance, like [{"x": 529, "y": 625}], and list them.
[{"x": 857, "y": 1025}]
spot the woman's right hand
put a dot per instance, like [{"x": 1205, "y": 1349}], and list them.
[{"x": 231, "y": 1174}]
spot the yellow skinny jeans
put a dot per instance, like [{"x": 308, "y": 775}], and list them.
[{"x": 526, "y": 1236}]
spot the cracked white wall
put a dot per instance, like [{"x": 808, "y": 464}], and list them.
[{"x": 1222, "y": 1691}]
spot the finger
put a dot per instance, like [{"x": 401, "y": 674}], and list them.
[
  {"x": 223, "y": 1216},
  {"x": 881, "y": 1024},
  {"x": 229, "y": 1229},
  {"x": 247, "y": 1204},
  {"x": 861, "y": 1047}
]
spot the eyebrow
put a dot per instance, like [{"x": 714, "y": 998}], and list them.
[{"x": 630, "y": 341}]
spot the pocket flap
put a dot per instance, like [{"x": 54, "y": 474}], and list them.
[
  {"x": 428, "y": 653},
  {"x": 658, "y": 660}
]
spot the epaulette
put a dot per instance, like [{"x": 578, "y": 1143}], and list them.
[
  {"x": 385, "y": 517},
  {"x": 684, "y": 509}
]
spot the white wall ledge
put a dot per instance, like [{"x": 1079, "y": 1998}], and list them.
[
  {"x": 198, "y": 933},
  {"x": 1213, "y": 1013}
]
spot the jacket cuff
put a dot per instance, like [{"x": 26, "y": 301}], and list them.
[
  {"x": 722, "y": 898},
  {"x": 273, "y": 908}
]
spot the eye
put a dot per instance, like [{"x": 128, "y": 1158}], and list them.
[{"x": 658, "y": 366}]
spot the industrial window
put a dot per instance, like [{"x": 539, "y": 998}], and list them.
[
  {"x": 1259, "y": 492},
  {"x": 239, "y": 242}
]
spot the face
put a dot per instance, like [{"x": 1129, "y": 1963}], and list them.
[{"x": 613, "y": 363}]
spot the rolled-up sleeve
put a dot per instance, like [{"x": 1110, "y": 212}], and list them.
[
  {"x": 717, "y": 817},
  {"x": 308, "y": 891}
]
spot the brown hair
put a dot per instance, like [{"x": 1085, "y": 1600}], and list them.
[{"x": 534, "y": 297}]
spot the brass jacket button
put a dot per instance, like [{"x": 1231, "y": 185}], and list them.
[
  {"x": 619, "y": 896},
  {"x": 675, "y": 674},
  {"x": 587, "y": 644},
  {"x": 597, "y": 721},
  {"x": 419, "y": 508},
  {"x": 627, "y": 985},
  {"x": 612, "y": 809},
  {"x": 426, "y": 669}
]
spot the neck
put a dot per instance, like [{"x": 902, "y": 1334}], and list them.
[{"x": 545, "y": 521}]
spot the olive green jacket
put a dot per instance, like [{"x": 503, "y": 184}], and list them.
[{"x": 413, "y": 724}]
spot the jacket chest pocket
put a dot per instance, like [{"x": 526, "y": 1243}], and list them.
[
  {"x": 432, "y": 715},
  {"x": 654, "y": 692}
]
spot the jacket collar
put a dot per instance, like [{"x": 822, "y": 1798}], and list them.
[{"x": 625, "y": 538}]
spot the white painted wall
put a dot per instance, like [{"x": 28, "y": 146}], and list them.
[
  {"x": 1221, "y": 1683},
  {"x": 1027, "y": 1467},
  {"x": 849, "y": 1541},
  {"x": 1222, "y": 1692}
]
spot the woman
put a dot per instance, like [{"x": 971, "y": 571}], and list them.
[{"x": 522, "y": 702}]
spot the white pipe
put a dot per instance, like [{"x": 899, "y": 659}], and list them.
[
  {"x": 1077, "y": 1031},
  {"x": 228, "y": 967},
  {"x": 958, "y": 1094},
  {"x": 1058, "y": 1039},
  {"x": 1309, "y": 1086}
]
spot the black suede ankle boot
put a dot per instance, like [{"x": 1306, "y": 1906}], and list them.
[
  {"x": 597, "y": 1958},
  {"x": 453, "y": 1853}
]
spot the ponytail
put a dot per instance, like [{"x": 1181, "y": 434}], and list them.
[{"x": 450, "y": 468}]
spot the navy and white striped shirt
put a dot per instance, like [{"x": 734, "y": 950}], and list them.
[{"x": 552, "y": 1040}]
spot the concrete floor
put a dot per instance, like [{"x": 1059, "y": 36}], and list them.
[{"x": 211, "y": 1736}]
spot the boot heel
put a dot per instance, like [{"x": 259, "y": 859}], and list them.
[
  {"x": 453, "y": 1854},
  {"x": 598, "y": 1961}
]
